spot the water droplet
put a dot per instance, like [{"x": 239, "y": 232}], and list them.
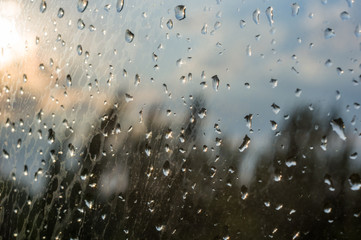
[
  {"x": 26, "y": 172},
  {"x": 170, "y": 24},
  {"x": 242, "y": 24},
  {"x": 81, "y": 24},
  {"x": 275, "y": 108},
  {"x": 61, "y": 13},
  {"x": 269, "y": 14},
  {"x": 355, "y": 182},
  {"x": 345, "y": 16},
  {"x": 298, "y": 92},
  {"x": 120, "y": 5},
  {"x": 328, "y": 63},
  {"x": 248, "y": 119},
  {"x": 51, "y": 136},
  {"x": 159, "y": 228},
  {"x": 71, "y": 150},
  {"x": 324, "y": 143},
  {"x": 6, "y": 154},
  {"x": 204, "y": 29},
  {"x": 215, "y": 82},
  {"x": 249, "y": 50},
  {"x": 217, "y": 25},
  {"x": 273, "y": 125},
  {"x": 128, "y": 98},
  {"x": 79, "y": 49},
  {"x": 180, "y": 12},
  {"x": 290, "y": 162},
  {"x": 353, "y": 156},
  {"x": 82, "y": 5},
  {"x": 42, "y": 6},
  {"x": 339, "y": 128},
  {"x": 68, "y": 80},
  {"x": 166, "y": 168},
  {"x": 329, "y": 33},
  {"x": 273, "y": 82},
  {"x": 358, "y": 30},
  {"x": 202, "y": 113},
  {"x": 295, "y": 9},
  {"x": 350, "y": 2},
  {"x": 245, "y": 143},
  {"x": 129, "y": 36},
  {"x": 25, "y": 78},
  {"x": 255, "y": 16}
]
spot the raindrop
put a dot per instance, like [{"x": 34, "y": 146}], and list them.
[
  {"x": 166, "y": 168},
  {"x": 242, "y": 24},
  {"x": 136, "y": 79},
  {"x": 119, "y": 5},
  {"x": 339, "y": 128},
  {"x": 269, "y": 14},
  {"x": 275, "y": 108},
  {"x": 245, "y": 143},
  {"x": 26, "y": 172},
  {"x": 345, "y": 16},
  {"x": 51, "y": 136},
  {"x": 295, "y": 9},
  {"x": 329, "y": 33},
  {"x": 202, "y": 113},
  {"x": 249, "y": 50},
  {"x": 5, "y": 154},
  {"x": 61, "y": 13},
  {"x": 355, "y": 182},
  {"x": 129, "y": 36},
  {"x": 353, "y": 156},
  {"x": 328, "y": 63},
  {"x": 71, "y": 150},
  {"x": 255, "y": 16},
  {"x": 350, "y": 2},
  {"x": 148, "y": 151},
  {"x": 204, "y": 29},
  {"x": 273, "y": 125},
  {"x": 217, "y": 25},
  {"x": 159, "y": 228},
  {"x": 79, "y": 49},
  {"x": 248, "y": 119},
  {"x": 358, "y": 30},
  {"x": 273, "y": 82},
  {"x": 170, "y": 24},
  {"x": 82, "y": 5},
  {"x": 81, "y": 24},
  {"x": 215, "y": 82},
  {"x": 339, "y": 71},
  {"x": 180, "y": 12},
  {"x": 324, "y": 143},
  {"x": 128, "y": 98},
  {"x": 68, "y": 80},
  {"x": 42, "y": 6},
  {"x": 298, "y": 92},
  {"x": 25, "y": 78}
]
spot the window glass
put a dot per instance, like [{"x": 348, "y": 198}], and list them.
[{"x": 182, "y": 119}]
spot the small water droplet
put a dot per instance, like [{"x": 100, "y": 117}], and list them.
[
  {"x": 129, "y": 36},
  {"x": 242, "y": 23},
  {"x": 273, "y": 125},
  {"x": 61, "y": 13},
  {"x": 128, "y": 98},
  {"x": 329, "y": 33},
  {"x": 328, "y": 63},
  {"x": 339, "y": 128},
  {"x": 180, "y": 12},
  {"x": 273, "y": 82},
  {"x": 202, "y": 113},
  {"x": 275, "y": 108},
  {"x": 269, "y": 14},
  {"x": 6, "y": 154},
  {"x": 248, "y": 50},
  {"x": 148, "y": 151},
  {"x": 324, "y": 143},
  {"x": 217, "y": 25},
  {"x": 166, "y": 168},
  {"x": 248, "y": 119},
  {"x": 358, "y": 30},
  {"x": 42, "y": 6},
  {"x": 355, "y": 182},
  {"x": 255, "y": 16},
  {"x": 81, "y": 24},
  {"x": 298, "y": 92},
  {"x": 215, "y": 82},
  {"x": 170, "y": 24},
  {"x": 120, "y": 5},
  {"x": 245, "y": 143},
  {"x": 79, "y": 49},
  {"x": 204, "y": 29},
  {"x": 82, "y": 5},
  {"x": 295, "y": 9},
  {"x": 68, "y": 80},
  {"x": 353, "y": 156}
]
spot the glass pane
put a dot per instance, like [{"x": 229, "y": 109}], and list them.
[{"x": 180, "y": 119}]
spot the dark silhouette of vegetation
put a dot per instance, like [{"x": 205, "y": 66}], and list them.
[{"x": 178, "y": 190}]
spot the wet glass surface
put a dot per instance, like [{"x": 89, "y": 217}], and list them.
[{"x": 180, "y": 119}]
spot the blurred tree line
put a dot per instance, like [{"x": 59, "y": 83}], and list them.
[{"x": 177, "y": 188}]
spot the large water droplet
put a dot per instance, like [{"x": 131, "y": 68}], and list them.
[
  {"x": 180, "y": 12},
  {"x": 269, "y": 14},
  {"x": 339, "y": 128},
  {"x": 82, "y": 5},
  {"x": 42, "y": 6},
  {"x": 345, "y": 16},
  {"x": 215, "y": 82},
  {"x": 129, "y": 36},
  {"x": 255, "y": 16},
  {"x": 245, "y": 144},
  {"x": 119, "y": 6},
  {"x": 329, "y": 33},
  {"x": 295, "y": 9},
  {"x": 61, "y": 13}
]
